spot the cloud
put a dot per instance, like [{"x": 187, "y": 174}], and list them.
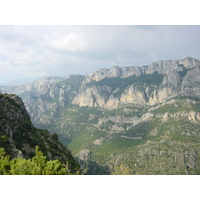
[
  {"x": 31, "y": 51},
  {"x": 5, "y": 66},
  {"x": 66, "y": 43}
]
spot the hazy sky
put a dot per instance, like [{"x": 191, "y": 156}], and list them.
[{"x": 35, "y": 51}]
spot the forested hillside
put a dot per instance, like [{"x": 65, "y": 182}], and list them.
[{"x": 19, "y": 138}]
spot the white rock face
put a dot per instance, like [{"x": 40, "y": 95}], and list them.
[
  {"x": 191, "y": 83},
  {"x": 172, "y": 85},
  {"x": 84, "y": 154},
  {"x": 25, "y": 88},
  {"x": 192, "y": 116},
  {"x": 44, "y": 98},
  {"x": 133, "y": 95},
  {"x": 162, "y": 67}
]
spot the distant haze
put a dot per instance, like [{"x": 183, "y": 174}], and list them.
[{"x": 29, "y": 52}]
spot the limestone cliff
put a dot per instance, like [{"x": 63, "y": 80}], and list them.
[
  {"x": 21, "y": 89},
  {"x": 162, "y": 67},
  {"x": 111, "y": 88},
  {"x": 180, "y": 77}
]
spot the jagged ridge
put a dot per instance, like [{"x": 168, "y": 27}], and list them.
[{"x": 146, "y": 118}]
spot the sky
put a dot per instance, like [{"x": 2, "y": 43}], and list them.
[{"x": 31, "y": 51}]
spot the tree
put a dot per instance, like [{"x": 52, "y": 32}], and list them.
[
  {"x": 54, "y": 136},
  {"x": 20, "y": 166},
  {"x": 38, "y": 165},
  {"x": 4, "y": 162},
  {"x": 40, "y": 161}
]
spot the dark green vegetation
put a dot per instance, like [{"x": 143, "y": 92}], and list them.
[{"x": 19, "y": 137}]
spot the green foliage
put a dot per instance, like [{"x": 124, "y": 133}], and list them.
[
  {"x": 38, "y": 165},
  {"x": 3, "y": 140},
  {"x": 54, "y": 137},
  {"x": 120, "y": 170},
  {"x": 4, "y": 162},
  {"x": 16, "y": 130}
]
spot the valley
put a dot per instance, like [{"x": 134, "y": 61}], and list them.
[{"x": 123, "y": 120}]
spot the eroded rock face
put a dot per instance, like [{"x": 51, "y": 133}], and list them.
[
  {"x": 178, "y": 77},
  {"x": 133, "y": 95},
  {"x": 191, "y": 83},
  {"x": 159, "y": 96},
  {"x": 172, "y": 79},
  {"x": 25, "y": 88},
  {"x": 162, "y": 67},
  {"x": 84, "y": 154}
]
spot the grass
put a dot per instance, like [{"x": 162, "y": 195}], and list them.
[{"x": 180, "y": 106}]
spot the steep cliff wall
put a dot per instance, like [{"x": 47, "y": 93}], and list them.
[
  {"x": 111, "y": 88},
  {"x": 179, "y": 77},
  {"x": 162, "y": 67}
]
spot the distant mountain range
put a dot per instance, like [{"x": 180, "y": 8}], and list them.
[
  {"x": 18, "y": 82},
  {"x": 124, "y": 120}
]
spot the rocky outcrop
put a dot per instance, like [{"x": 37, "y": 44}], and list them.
[
  {"x": 162, "y": 67},
  {"x": 162, "y": 95},
  {"x": 20, "y": 89},
  {"x": 171, "y": 79},
  {"x": 91, "y": 96},
  {"x": 191, "y": 116},
  {"x": 191, "y": 83},
  {"x": 111, "y": 88},
  {"x": 102, "y": 96},
  {"x": 134, "y": 95},
  {"x": 180, "y": 77},
  {"x": 115, "y": 123},
  {"x": 84, "y": 154},
  {"x": 19, "y": 137}
]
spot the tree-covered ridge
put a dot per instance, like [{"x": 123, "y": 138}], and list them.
[
  {"x": 18, "y": 137},
  {"x": 38, "y": 165}
]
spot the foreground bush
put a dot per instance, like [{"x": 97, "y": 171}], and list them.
[{"x": 38, "y": 165}]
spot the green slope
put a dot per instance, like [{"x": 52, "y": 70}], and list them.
[
  {"x": 19, "y": 137},
  {"x": 158, "y": 145}
]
